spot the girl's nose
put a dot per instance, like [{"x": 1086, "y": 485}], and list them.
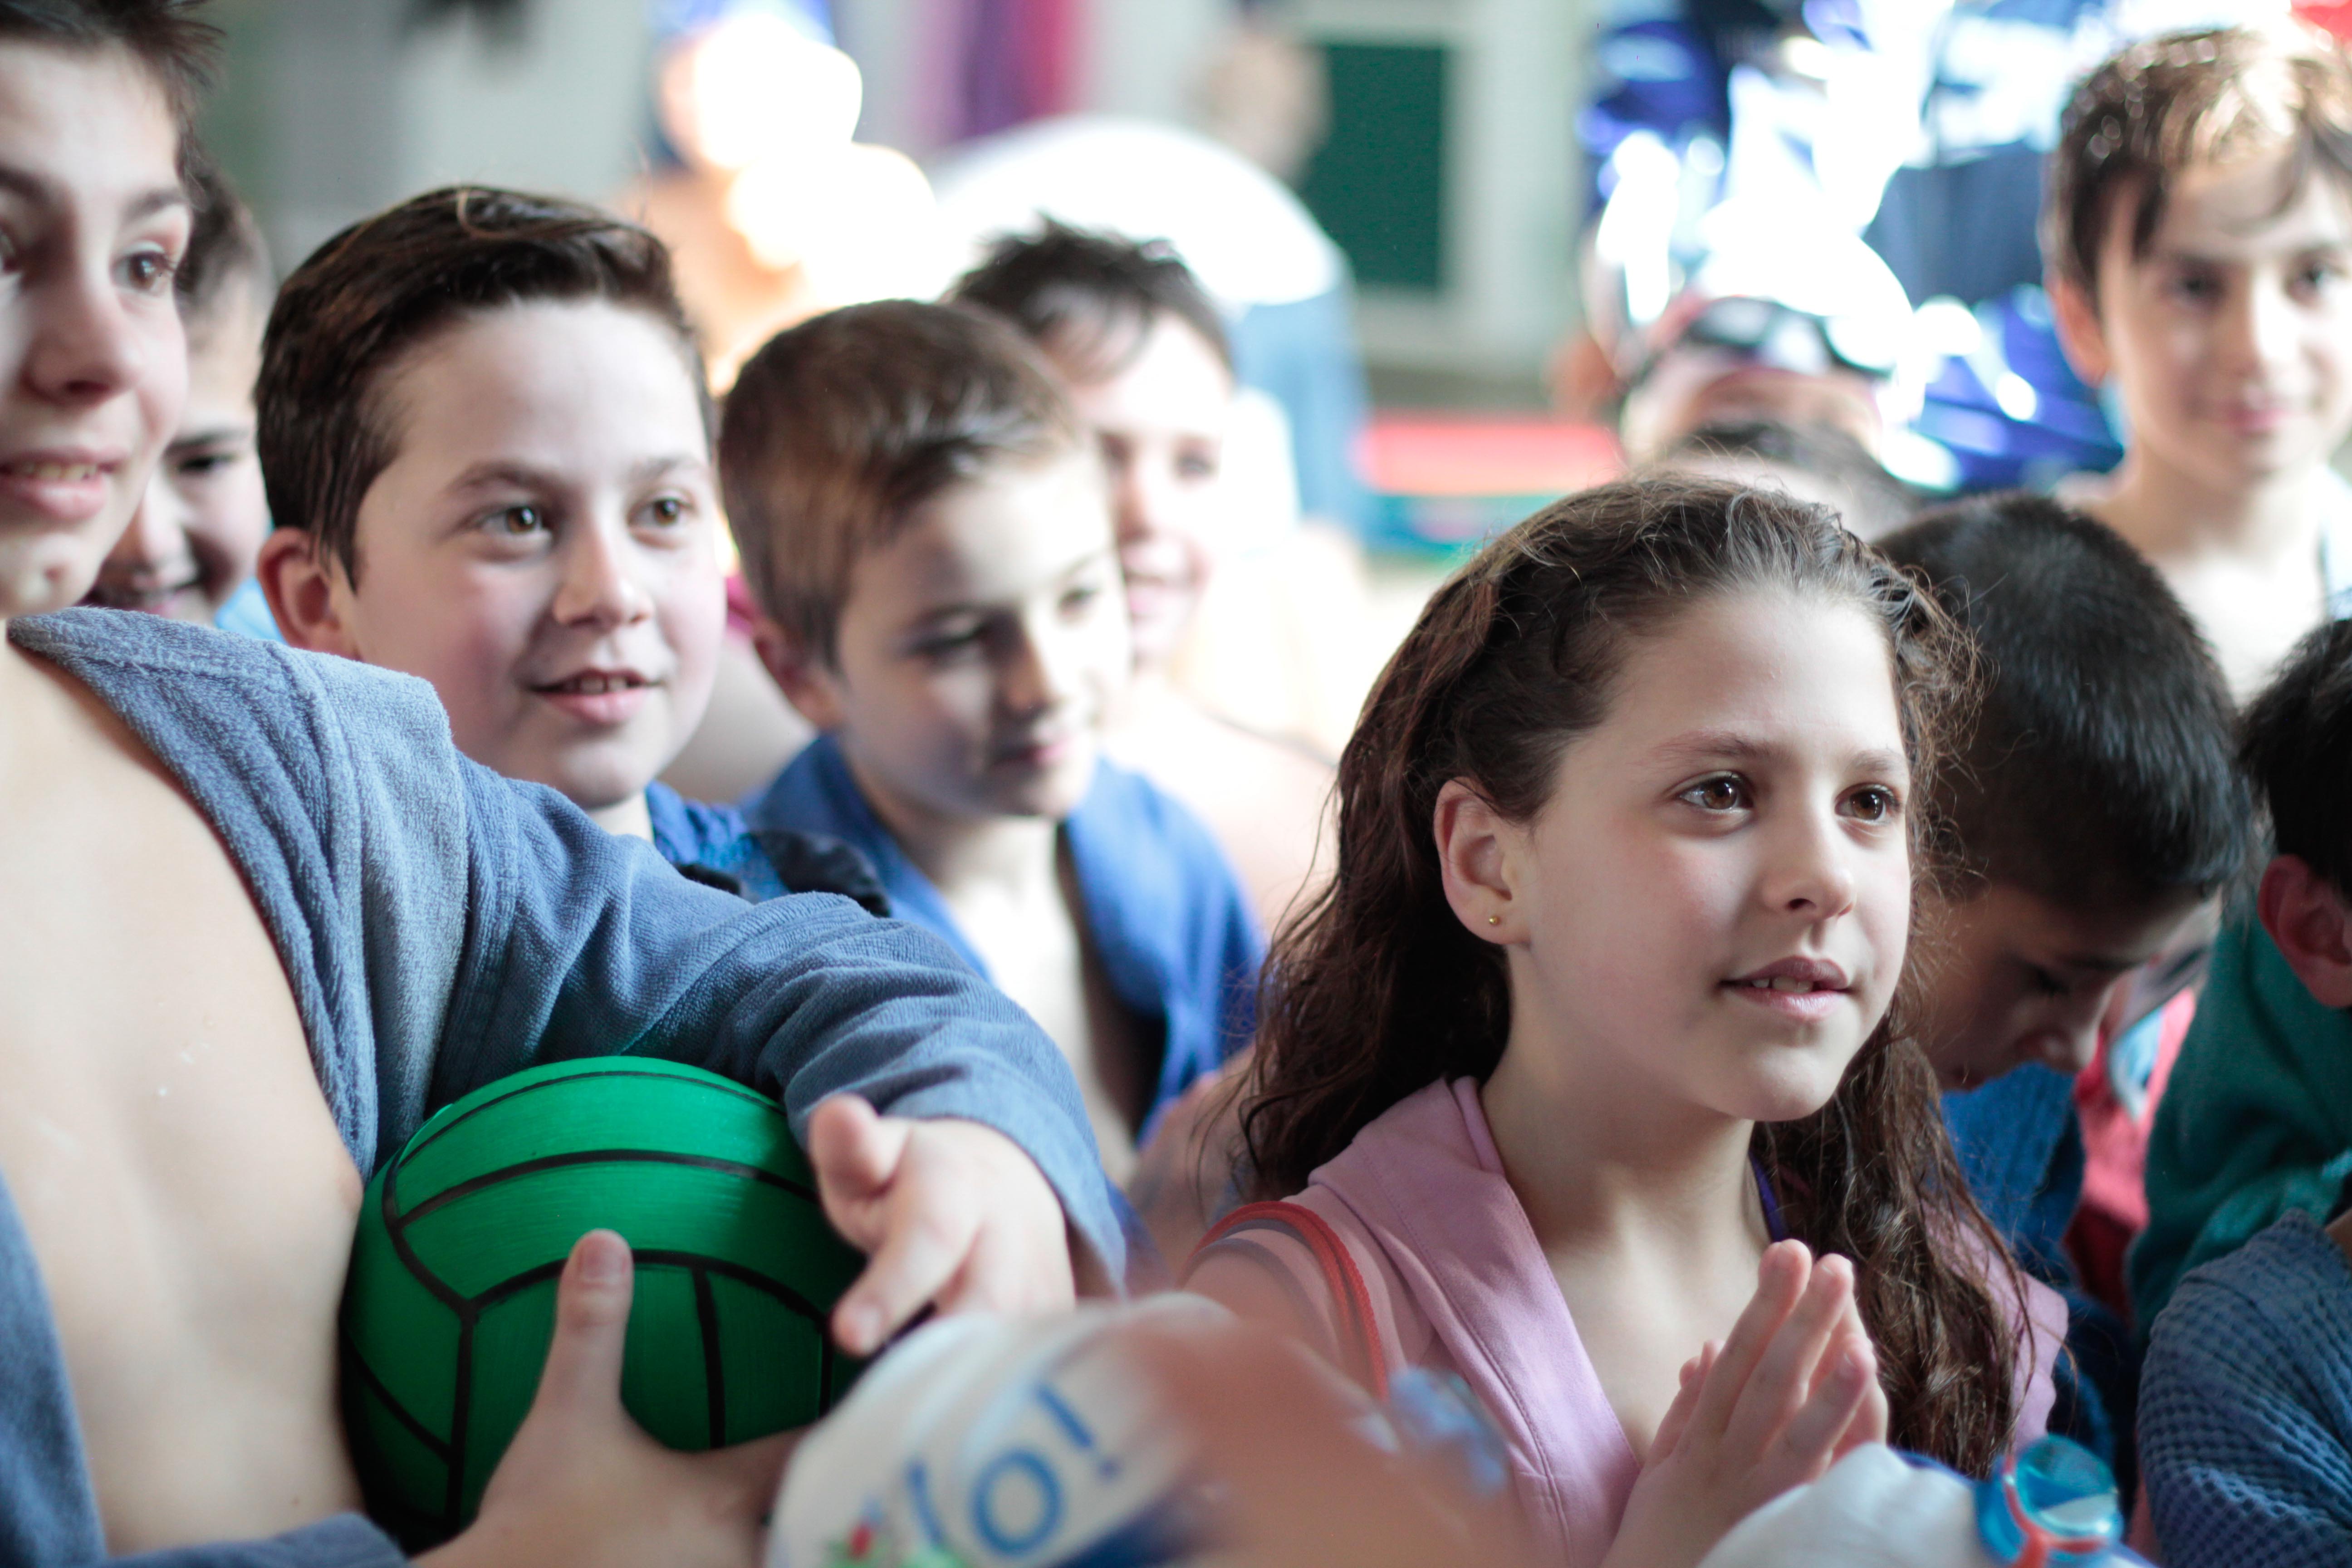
[{"x": 1810, "y": 875}]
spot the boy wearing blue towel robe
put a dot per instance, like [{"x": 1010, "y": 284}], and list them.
[{"x": 927, "y": 531}]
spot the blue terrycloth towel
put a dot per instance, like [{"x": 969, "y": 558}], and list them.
[{"x": 2246, "y": 1415}]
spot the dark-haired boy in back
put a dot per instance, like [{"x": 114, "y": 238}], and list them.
[
  {"x": 1141, "y": 349},
  {"x": 926, "y": 525},
  {"x": 2095, "y": 810},
  {"x": 2246, "y": 1425}
]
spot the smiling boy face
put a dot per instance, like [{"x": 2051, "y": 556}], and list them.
[
  {"x": 191, "y": 542},
  {"x": 93, "y": 221},
  {"x": 979, "y": 648},
  {"x": 541, "y": 546}
]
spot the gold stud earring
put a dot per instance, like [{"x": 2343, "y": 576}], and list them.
[{"x": 1494, "y": 920}]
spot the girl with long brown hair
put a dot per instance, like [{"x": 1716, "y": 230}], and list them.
[{"x": 1593, "y": 1045}]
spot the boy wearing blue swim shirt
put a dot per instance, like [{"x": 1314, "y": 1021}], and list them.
[
  {"x": 261, "y": 918},
  {"x": 926, "y": 527}
]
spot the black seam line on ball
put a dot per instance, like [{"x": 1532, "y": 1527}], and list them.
[
  {"x": 396, "y": 1231},
  {"x": 714, "y": 1372},
  {"x": 729, "y": 1085},
  {"x": 385, "y": 1396},
  {"x": 461, "y": 1417},
  {"x": 592, "y": 1157}
]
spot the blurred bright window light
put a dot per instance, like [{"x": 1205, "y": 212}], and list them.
[{"x": 758, "y": 87}]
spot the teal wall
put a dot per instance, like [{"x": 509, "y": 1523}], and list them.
[{"x": 1378, "y": 184}]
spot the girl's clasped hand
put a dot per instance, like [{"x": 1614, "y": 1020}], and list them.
[{"x": 1793, "y": 1389}]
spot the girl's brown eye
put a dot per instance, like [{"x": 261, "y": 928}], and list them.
[
  {"x": 1873, "y": 805},
  {"x": 1716, "y": 794}
]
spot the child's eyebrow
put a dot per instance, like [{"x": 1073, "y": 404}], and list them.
[
  {"x": 212, "y": 435},
  {"x": 505, "y": 473},
  {"x": 32, "y": 187},
  {"x": 498, "y": 473},
  {"x": 986, "y": 607},
  {"x": 1730, "y": 745},
  {"x": 676, "y": 462}
]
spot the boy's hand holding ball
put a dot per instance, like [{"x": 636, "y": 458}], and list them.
[{"x": 582, "y": 1486}]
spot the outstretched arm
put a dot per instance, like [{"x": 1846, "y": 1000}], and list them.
[{"x": 581, "y": 944}]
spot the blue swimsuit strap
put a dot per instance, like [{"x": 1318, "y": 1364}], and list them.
[{"x": 1773, "y": 1224}]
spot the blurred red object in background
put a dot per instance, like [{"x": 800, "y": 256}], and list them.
[{"x": 2336, "y": 15}]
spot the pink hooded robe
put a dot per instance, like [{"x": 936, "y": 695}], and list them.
[{"x": 1454, "y": 1281}]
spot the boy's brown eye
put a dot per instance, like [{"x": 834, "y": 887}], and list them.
[{"x": 149, "y": 271}]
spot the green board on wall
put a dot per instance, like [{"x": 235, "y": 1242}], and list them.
[{"x": 1378, "y": 184}]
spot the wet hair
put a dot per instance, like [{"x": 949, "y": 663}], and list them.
[
  {"x": 1375, "y": 989},
  {"x": 2099, "y": 775},
  {"x": 2178, "y": 102},
  {"x": 225, "y": 244},
  {"x": 350, "y": 314},
  {"x": 1870, "y": 501},
  {"x": 2295, "y": 741},
  {"x": 1089, "y": 297},
  {"x": 841, "y": 428},
  {"x": 165, "y": 36}
]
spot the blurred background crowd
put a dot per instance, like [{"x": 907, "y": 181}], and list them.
[{"x": 1474, "y": 254}]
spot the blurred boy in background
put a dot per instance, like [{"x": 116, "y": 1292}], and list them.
[
  {"x": 1144, "y": 356},
  {"x": 2197, "y": 235},
  {"x": 189, "y": 551},
  {"x": 1812, "y": 462}
]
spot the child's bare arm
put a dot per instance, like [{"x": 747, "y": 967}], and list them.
[{"x": 805, "y": 998}]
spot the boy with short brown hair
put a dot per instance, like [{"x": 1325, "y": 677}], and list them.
[
  {"x": 927, "y": 529},
  {"x": 2197, "y": 234}
]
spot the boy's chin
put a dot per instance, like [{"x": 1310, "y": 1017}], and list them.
[
  {"x": 597, "y": 778},
  {"x": 45, "y": 570}
]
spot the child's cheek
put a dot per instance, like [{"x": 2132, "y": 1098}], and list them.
[{"x": 1883, "y": 905}]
